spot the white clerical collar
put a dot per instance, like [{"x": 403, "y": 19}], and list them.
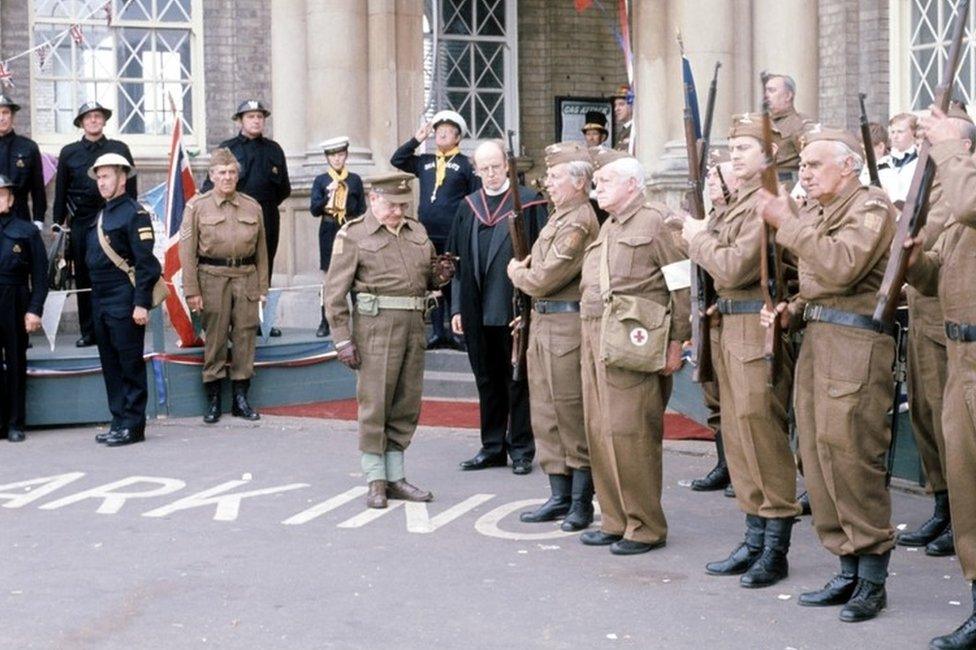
[{"x": 501, "y": 190}]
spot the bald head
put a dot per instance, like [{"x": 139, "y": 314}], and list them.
[{"x": 490, "y": 164}]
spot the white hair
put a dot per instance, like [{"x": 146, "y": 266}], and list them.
[
  {"x": 628, "y": 168},
  {"x": 844, "y": 152},
  {"x": 580, "y": 171}
]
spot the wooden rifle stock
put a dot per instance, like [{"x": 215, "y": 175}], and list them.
[
  {"x": 915, "y": 211},
  {"x": 869, "y": 157},
  {"x": 522, "y": 304},
  {"x": 771, "y": 261}
]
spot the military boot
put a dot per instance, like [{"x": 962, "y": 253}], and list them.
[
  {"x": 932, "y": 528},
  {"x": 745, "y": 554},
  {"x": 323, "y": 329},
  {"x": 214, "y": 408},
  {"x": 239, "y": 407},
  {"x": 838, "y": 590},
  {"x": 772, "y": 566},
  {"x": 963, "y": 637},
  {"x": 942, "y": 545},
  {"x": 580, "y": 513},
  {"x": 556, "y": 506},
  {"x": 718, "y": 477},
  {"x": 869, "y": 596}
]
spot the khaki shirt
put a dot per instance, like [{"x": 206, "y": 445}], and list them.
[
  {"x": 368, "y": 258},
  {"x": 842, "y": 248},
  {"x": 557, "y": 255},
  {"x": 639, "y": 246},
  {"x": 787, "y": 129},
  {"x": 230, "y": 229}
]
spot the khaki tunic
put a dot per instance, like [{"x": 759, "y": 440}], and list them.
[
  {"x": 843, "y": 376},
  {"x": 368, "y": 258},
  {"x": 787, "y": 129},
  {"x": 754, "y": 416},
  {"x": 553, "y": 359},
  {"x": 948, "y": 269},
  {"x": 229, "y": 228},
  {"x": 625, "y": 410}
]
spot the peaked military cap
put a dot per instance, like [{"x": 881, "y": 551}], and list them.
[
  {"x": 249, "y": 105},
  {"x": 89, "y": 107},
  {"x": 335, "y": 145},
  {"x": 393, "y": 187},
  {"x": 6, "y": 101}
]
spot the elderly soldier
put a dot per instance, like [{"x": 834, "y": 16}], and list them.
[
  {"x": 225, "y": 277},
  {"x": 337, "y": 196},
  {"x": 123, "y": 273},
  {"x": 77, "y": 201},
  {"x": 550, "y": 275},
  {"x": 263, "y": 172},
  {"x": 386, "y": 260},
  {"x": 632, "y": 329},
  {"x": 23, "y": 288},
  {"x": 754, "y": 423},
  {"x": 843, "y": 375},
  {"x": 788, "y": 125},
  {"x": 20, "y": 162},
  {"x": 446, "y": 177},
  {"x": 947, "y": 270},
  {"x": 623, "y": 117}
]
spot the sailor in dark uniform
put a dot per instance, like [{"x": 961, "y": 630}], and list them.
[
  {"x": 23, "y": 288},
  {"x": 337, "y": 196},
  {"x": 77, "y": 201},
  {"x": 121, "y": 306},
  {"x": 264, "y": 172},
  {"x": 20, "y": 162}
]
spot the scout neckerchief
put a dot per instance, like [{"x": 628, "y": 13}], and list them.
[
  {"x": 339, "y": 194},
  {"x": 443, "y": 157}
]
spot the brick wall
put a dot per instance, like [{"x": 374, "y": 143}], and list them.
[{"x": 14, "y": 39}]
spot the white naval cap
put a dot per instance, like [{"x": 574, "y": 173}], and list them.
[
  {"x": 452, "y": 117},
  {"x": 335, "y": 145}
]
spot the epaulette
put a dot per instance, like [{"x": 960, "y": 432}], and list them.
[{"x": 248, "y": 198}]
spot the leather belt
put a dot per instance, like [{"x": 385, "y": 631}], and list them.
[
  {"x": 556, "y": 306},
  {"x": 729, "y": 306},
  {"x": 821, "y": 314},
  {"x": 233, "y": 262},
  {"x": 960, "y": 332}
]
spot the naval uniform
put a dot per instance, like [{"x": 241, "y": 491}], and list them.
[{"x": 20, "y": 161}]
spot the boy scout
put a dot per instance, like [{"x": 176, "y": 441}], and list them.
[
  {"x": 386, "y": 260},
  {"x": 225, "y": 277},
  {"x": 843, "y": 374},
  {"x": 550, "y": 275},
  {"x": 23, "y": 288}
]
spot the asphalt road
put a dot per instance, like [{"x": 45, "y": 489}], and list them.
[{"x": 301, "y": 563}]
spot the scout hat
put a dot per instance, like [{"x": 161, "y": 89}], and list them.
[
  {"x": 818, "y": 132},
  {"x": 564, "y": 152},
  {"x": 111, "y": 160},
  {"x": 450, "y": 117},
  {"x": 747, "y": 125},
  {"x": 89, "y": 107},
  {"x": 335, "y": 145},
  {"x": 5, "y": 182},
  {"x": 395, "y": 188},
  {"x": 6, "y": 101},
  {"x": 249, "y": 105},
  {"x": 595, "y": 120}
]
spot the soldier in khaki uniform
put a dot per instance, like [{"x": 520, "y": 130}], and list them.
[
  {"x": 788, "y": 125},
  {"x": 948, "y": 269},
  {"x": 386, "y": 260},
  {"x": 843, "y": 374},
  {"x": 624, "y": 408},
  {"x": 754, "y": 415},
  {"x": 550, "y": 275},
  {"x": 225, "y": 278}
]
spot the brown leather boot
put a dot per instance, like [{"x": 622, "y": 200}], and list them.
[
  {"x": 377, "y": 495},
  {"x": 406, "y": 492}
]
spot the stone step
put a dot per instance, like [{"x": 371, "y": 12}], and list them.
[
  {"x": 448, "y": 361},
  {"x": 450, "y": 385}
]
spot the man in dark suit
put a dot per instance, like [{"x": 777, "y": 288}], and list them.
[{"x": 482, "y": 308}]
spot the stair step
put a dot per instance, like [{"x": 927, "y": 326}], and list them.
[
  {"x": 447, "y": 360},
  {"x": 449, "y": 385}
]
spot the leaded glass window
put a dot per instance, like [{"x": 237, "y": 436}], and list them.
[{"x": 931, "y": 24}]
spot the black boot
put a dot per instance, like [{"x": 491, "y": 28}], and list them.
[
  {"x": 840, "y": 588},
  {"x": 213, "y": 401},
  {"x": 804, "y": 501},
  {"x": 963, "y": 637},
  {"x": 772, "y": 566},
  {"x": 869, "y": 596},
  {"x": 323, "y": 329},
  {"x": 239, "y": 407},
  {"x": 580, "y": 513},
  {"x": 932, "y": 528},
  {"x": 729, "y": 491},
  {"x": 718, "y": 478},
  {"x": 557, "y": 505},
  {"x": 943, "y": 545},
  {"x": 745, "y": 554}
]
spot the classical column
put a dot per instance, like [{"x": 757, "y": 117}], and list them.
[
  {"x": 652, "y": 97},
  {"x": 288, "y": 76},
  {"x": 785, "y": 41}
]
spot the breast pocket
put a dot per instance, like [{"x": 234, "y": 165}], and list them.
[
  {"x": 19, "y": 169},
  {"x": 377, "y": 256},
  {"x": 14, "y": 253},
  {"x": 249, "y": 228},
  {"x": 210, "y": 226},
  {"x": 629, "y": 256}
]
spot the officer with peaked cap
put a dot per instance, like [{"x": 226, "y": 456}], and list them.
[
  {"x": 595, "y": 128},
  {"x": 337, "y": 196},
  {"x": 23, "y": 288},
  {"x": 263, "y": 174},
  {"x": 20, "y": 162},
  {"x": 77, "y": 200},
  {"x": 122, "y": 292}
]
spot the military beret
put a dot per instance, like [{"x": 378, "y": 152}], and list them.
[
  {"x": 747, "y": 125},
  {"x": 90, "y": 107},
  {"x": 111, "y": 160},
  {"x": 223, "y": 156},
  {"x": 603, "y": 156},
  {"x": 818, "y": 132},
  {"x": 335, "y": 145},
  {"x": 5, "y": 182},
  {"x": 249, "y": 105},
  {"x": 564, "y": 152},
  {"x": 451, "y": 117},
  {"x": 595, "y": 120},
  {"x": 393, "y": 187},
  {"x": 6, "y": 101}
]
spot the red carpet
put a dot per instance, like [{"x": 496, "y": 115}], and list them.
[{"x": 437, "y": 413}]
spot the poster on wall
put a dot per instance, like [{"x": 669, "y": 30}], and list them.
[{"x": 571, "y": 116}]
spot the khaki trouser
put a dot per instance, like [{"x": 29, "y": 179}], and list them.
[
  {"x": 625, "y": 429},
  {"x": 754, "y": 421},
  {"x": 556, "y": 392},
  {"x": 844, "y": 389},
  {"x": 230, "y": 311},
  {"x": 959, "y": 424},
  {"x": 710, "y": 389},
  {"x": 926, "y": 383},
  {"x": 390, "y": 380}
]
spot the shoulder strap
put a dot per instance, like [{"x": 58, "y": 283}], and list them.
[{"x": 112, "y": 255}]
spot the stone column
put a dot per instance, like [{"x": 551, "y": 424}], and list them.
[
  {"x": 652, "y": 99},
  {"x": 785, "y": 41},
  {"x": 288, "y": 80}
]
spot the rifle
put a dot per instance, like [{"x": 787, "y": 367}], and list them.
[
  {"x": 899, "y": 370},
  {"x": 869, "y": 158},
  {"x": 771, "y": 260},
  {"x": 707, "y": 126},
  {"x": 521, "y": 303},
  {"x": 916, "y": 208}
]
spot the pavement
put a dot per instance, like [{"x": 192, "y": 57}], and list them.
[{"x": 256, "y": 536}]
